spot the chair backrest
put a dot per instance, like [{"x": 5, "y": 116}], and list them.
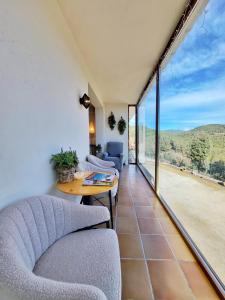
[
  {"x": 99, "y": 162},
  {"x": 32, "y": 225},
  {"x": 114, "y": 148},
  {"x": 85, "y": 166}
]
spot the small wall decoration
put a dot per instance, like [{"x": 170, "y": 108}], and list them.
[
  {"x": 122, "y": 125},
  {"x": 111, "y": 121}
]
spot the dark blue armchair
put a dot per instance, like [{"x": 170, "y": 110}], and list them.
[{"x": 114, "y": 152}]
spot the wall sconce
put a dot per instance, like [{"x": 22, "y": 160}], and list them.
[
  {"x": 91, "y": 128},
  {"x": 85, "y": 101}
]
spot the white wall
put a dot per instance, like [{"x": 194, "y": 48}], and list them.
[
  {"x": 41, "y": 80},
  {"x": 114, "y": 135}
]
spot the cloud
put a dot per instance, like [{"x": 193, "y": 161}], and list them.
[
  {"x": 192, "y": 84},
  {"x": 197, "y": 98},
  {"x": 204, "y": 45}
]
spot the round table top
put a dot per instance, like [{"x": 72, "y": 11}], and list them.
[{"x": 76, "y": 187}]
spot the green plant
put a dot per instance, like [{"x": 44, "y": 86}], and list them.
[
  {"x": 122, "y": 125},
  {"x": 111, "y": 121},
  {"x": 64, "y": 159},
  {"x": 99, "y": 148},
  {"x": 199, "y": 151}
]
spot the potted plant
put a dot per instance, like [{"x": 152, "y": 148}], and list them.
[
  {"x": 122, "y": 125},
  {"x": 65, "y": 163},
  {"x": 99, "y": 148},
  {"x": 111, "y": 121}
]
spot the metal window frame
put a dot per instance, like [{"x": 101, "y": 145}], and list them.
[
  {"x": 136, "y": 146},
  {"x": 210, "y": 273}
]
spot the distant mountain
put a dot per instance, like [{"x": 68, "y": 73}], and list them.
[
  {"x": 172, "y": 131},
  {"x": 210, "y": 129}
]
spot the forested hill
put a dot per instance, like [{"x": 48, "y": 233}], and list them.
[
  {"x": 201, "y": 147},
  {"x": 210, "y": 129},
  {"x": 180, "y": 141},
  {"x": 207, "y": 129}
]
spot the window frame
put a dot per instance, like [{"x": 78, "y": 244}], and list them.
[{"x": 210, "y": 273}]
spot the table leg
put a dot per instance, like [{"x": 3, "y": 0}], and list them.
[
  {"x": 108, "y": 224},
  {"x": 110, "y": 206}
]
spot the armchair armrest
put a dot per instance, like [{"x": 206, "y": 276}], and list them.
[
  {"x": 85, "y": 216},
  {"x": 29, "y": 286},
  {"x": 121, "y": 155},
  {"x": 105, "y": 155}
]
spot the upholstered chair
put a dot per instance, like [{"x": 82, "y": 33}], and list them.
[
  {"x": 114, "y": 152},
  {"x": 45, "y": 254}
]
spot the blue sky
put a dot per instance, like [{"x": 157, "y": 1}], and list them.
[{"x": 193, "y": 81}]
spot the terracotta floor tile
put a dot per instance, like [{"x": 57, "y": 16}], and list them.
[
  {"x": 124, "y": 193},
  {"x": 142, "y": 193},
  {"x": 142, "y": 201},
  {"x": 171, "y": 279},
  {"x": 168, "y": 282},
  {"x": 179, "y": 248},
  {"x": 135, "y": 281},
  {"x": 130, "y": 246},
  {"x": 156, "y": 247},
  {"x": 126, "y": 225},
  {"x": 198, "y": 282},
  {"x": 124, "y": 201},
  {"x": 125, "y": 211},
  {"x": 149, "y": 226},
  {"x": 159, "y": 210},
  {"x": 145, "y": 212},
  {"x": 168, "y": 226}
]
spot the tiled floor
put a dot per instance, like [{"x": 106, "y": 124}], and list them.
[{"x": 156, "y": 263}]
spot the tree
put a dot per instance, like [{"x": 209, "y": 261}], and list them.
[
  {"x": 165, "y": 144},
  {"x": 199, "y": 151},
  {"x": 217, "y": 170},
  {"x": 173, "y": 145}
]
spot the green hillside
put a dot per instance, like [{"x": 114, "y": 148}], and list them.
[{"x": 202, "y": 148}]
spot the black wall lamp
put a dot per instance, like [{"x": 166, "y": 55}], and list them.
[{"x": 85, "y": 101}]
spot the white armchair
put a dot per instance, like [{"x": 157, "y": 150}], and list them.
[
  {"x": 45, "y": 256},
  {"x": 100, "y": 162}
]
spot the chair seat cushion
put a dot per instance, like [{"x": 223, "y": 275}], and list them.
[{"x": 88, "y": 257}]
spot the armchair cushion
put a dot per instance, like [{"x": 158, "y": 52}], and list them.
[{"x": 94, "y": 250}]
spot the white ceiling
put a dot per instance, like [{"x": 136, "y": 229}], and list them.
[{"x": 121, "y": 41}]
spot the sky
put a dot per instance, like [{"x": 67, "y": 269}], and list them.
[{"x": 192, "y": 84}]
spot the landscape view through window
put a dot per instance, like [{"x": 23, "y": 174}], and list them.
[{"x": 192, "y": 134}]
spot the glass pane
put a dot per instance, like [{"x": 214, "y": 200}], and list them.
[
  {"x": 132, "y": 135},
  {"x": 146, "y": 132},
  {"x": 192, "y": 134}
]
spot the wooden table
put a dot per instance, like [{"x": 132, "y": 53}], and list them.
[{"x": 77, "y": 188}]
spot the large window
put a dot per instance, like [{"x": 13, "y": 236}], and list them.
[
  {"x": 192, "y": 134},
  {"x": 132, "y": 134},
  {"x": 146, "y": 132}
]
